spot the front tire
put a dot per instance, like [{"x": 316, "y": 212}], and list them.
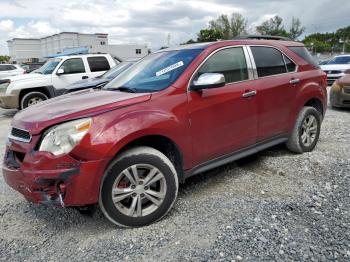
[
  {"x": 32, "y": 98},
  {"x": 306, "y": 131},
  {"x": 138, "y": 188}
]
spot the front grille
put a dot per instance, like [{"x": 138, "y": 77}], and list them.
[
  {"x": 20, "y": 135},
  {"x": 333, "y": 72}
]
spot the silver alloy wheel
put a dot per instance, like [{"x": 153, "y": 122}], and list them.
[
  {"x": 139, "y": 190},
  {"x": 309, "y": 130},
  {"x": 34, "y": 101}
]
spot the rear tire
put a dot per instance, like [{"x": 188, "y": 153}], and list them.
[
  {"x": 32, "y": 98},
  {"x": 306, "y": 131},
  {"x": 138, "y": 188}
]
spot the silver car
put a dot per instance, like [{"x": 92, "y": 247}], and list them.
[{"x": 7, "y": 70}]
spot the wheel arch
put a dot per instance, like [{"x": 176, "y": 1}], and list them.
[
  {"x": 161, "y": 143},
  {"x": 49, "y": 91}
]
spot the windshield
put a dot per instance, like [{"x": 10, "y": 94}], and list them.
[
  {"x": 48, "y": 67},
  {"x": 339, "y": 60},
  {"x": 156, "y": 71},
  {"x": 115, "y": 71}
]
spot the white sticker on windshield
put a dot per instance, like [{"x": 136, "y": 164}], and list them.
[{"x": 169, "y": 68}]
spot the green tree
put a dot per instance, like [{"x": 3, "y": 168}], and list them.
[
  {"x": 238, "y": 24},
  {"x": 273, "y": 26},
  {"x": 296, "y": 29},
  {"x": 230, "y": 26},
  {"x": 4, "y": 58},
  {"x": 209, "y": 35}
]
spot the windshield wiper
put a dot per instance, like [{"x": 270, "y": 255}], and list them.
[{"x": 124, "y": 89}]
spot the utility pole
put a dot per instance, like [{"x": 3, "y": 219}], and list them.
[{"x": 168, "y": 39}]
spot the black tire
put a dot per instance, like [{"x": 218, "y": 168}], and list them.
[
  {"x": 32, "y": 96},
  {"x": 295, "y": 142},
  {"x": 138, "y": 156}
]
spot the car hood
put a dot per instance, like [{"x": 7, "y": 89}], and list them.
[
  {"x": 335, "y": 67},
  {"x": 86, "y": 83},
  {"x": 28, "y": 77},
  {"x": 73, "y": 106}
]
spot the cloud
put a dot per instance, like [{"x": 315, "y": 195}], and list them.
[{"x": 139, "y": 21}]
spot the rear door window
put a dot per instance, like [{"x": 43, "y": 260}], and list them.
[
  {"x": 269, "y": 61},
  {"x": 230, "y": 62},
  {"x": 3, "y": 68},
  {"x": 98, "y": 63}
]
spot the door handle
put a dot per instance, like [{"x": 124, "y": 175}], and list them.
[
  {"x": 84, "y": 77},
  {"x": 249, "y": 94},
  {"x": 294, "y": 81}
]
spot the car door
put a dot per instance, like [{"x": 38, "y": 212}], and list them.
[
  {"x": 223, "y": 119},
  {"x": 73, "y": 70},
  {"x": 98, "y": 65},
  {"x": 276, "y": 85}
]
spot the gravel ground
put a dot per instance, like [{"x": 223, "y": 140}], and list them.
[{"x": 272, "y": 206}]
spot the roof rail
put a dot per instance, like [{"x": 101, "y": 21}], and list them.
[{"x": 263, "y": 37}]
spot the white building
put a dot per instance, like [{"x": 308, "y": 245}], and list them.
[{"x": 37, "y": 49}]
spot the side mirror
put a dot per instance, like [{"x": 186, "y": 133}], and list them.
[
  {"x": 60, "y": 71},
  {"x": 347, "y": 72},
  {"x": 208, "y": 80}
]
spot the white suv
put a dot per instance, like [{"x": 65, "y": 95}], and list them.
[
  {"x": 7, "y": 70},
  {"x": 51, "y": 79},
  {"x": 336, "y": 68}
]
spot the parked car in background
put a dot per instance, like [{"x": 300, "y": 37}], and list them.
[
  {"x": 99, "y": 81},
  {"x": 176, "y": 113},
  {"x": 323, "y": 62},
  {"x": 336, "y": 67},
  {"x": 340, "y": 91},
  {"x": 32, "y": 66},
  {"x": 51, "y": 79},
  {"x": 7, "y": 70}
]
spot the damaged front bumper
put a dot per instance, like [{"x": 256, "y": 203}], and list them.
[{"x": 44, "y": 178}]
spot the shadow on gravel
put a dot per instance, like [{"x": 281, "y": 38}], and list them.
[
  {"x": 7, "y": 113},
  {"x": 63, "y": 219},
  {"x": 204, "y": 179}
]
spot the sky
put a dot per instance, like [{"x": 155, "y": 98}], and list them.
[{"x": 150, "y": 21}]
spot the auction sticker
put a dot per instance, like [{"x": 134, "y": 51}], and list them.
[{"x": 169, "y": 68}]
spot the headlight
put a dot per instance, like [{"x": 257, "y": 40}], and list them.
[
  {"x": 61, "y": 139},
  {"x": 4, "y": 84}
]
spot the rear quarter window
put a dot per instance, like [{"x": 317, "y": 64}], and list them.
[
  {"x": 98, "y": 63},
  {"x": 304, "y": 54}
]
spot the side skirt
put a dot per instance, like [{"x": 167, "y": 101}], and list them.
[{"x": 223, "y": 160}]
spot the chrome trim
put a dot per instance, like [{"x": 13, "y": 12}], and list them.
[
  {"x": 10, "y": 136},
  {"x": 249, "y": 94},
  {"x": 294, "y": 81},
  {"x": 214, "y": 52}
]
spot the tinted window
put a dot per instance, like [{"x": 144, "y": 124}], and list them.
[
  {"x": 304, "y": 54},
  {"x": 339, "y": 60},
  {"x": 156, "y": 71},
  {"x": 98, "y": 63},
  {"x": 73, "y": 66},
  {"x": 291, "y": 67},
  {"x": 269, "y": 61},
  {"x": 7, "y": 67},
  {"x": 230, "y": 62}
]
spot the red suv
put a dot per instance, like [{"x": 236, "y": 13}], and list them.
[{"x": 176, "y": 113}]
